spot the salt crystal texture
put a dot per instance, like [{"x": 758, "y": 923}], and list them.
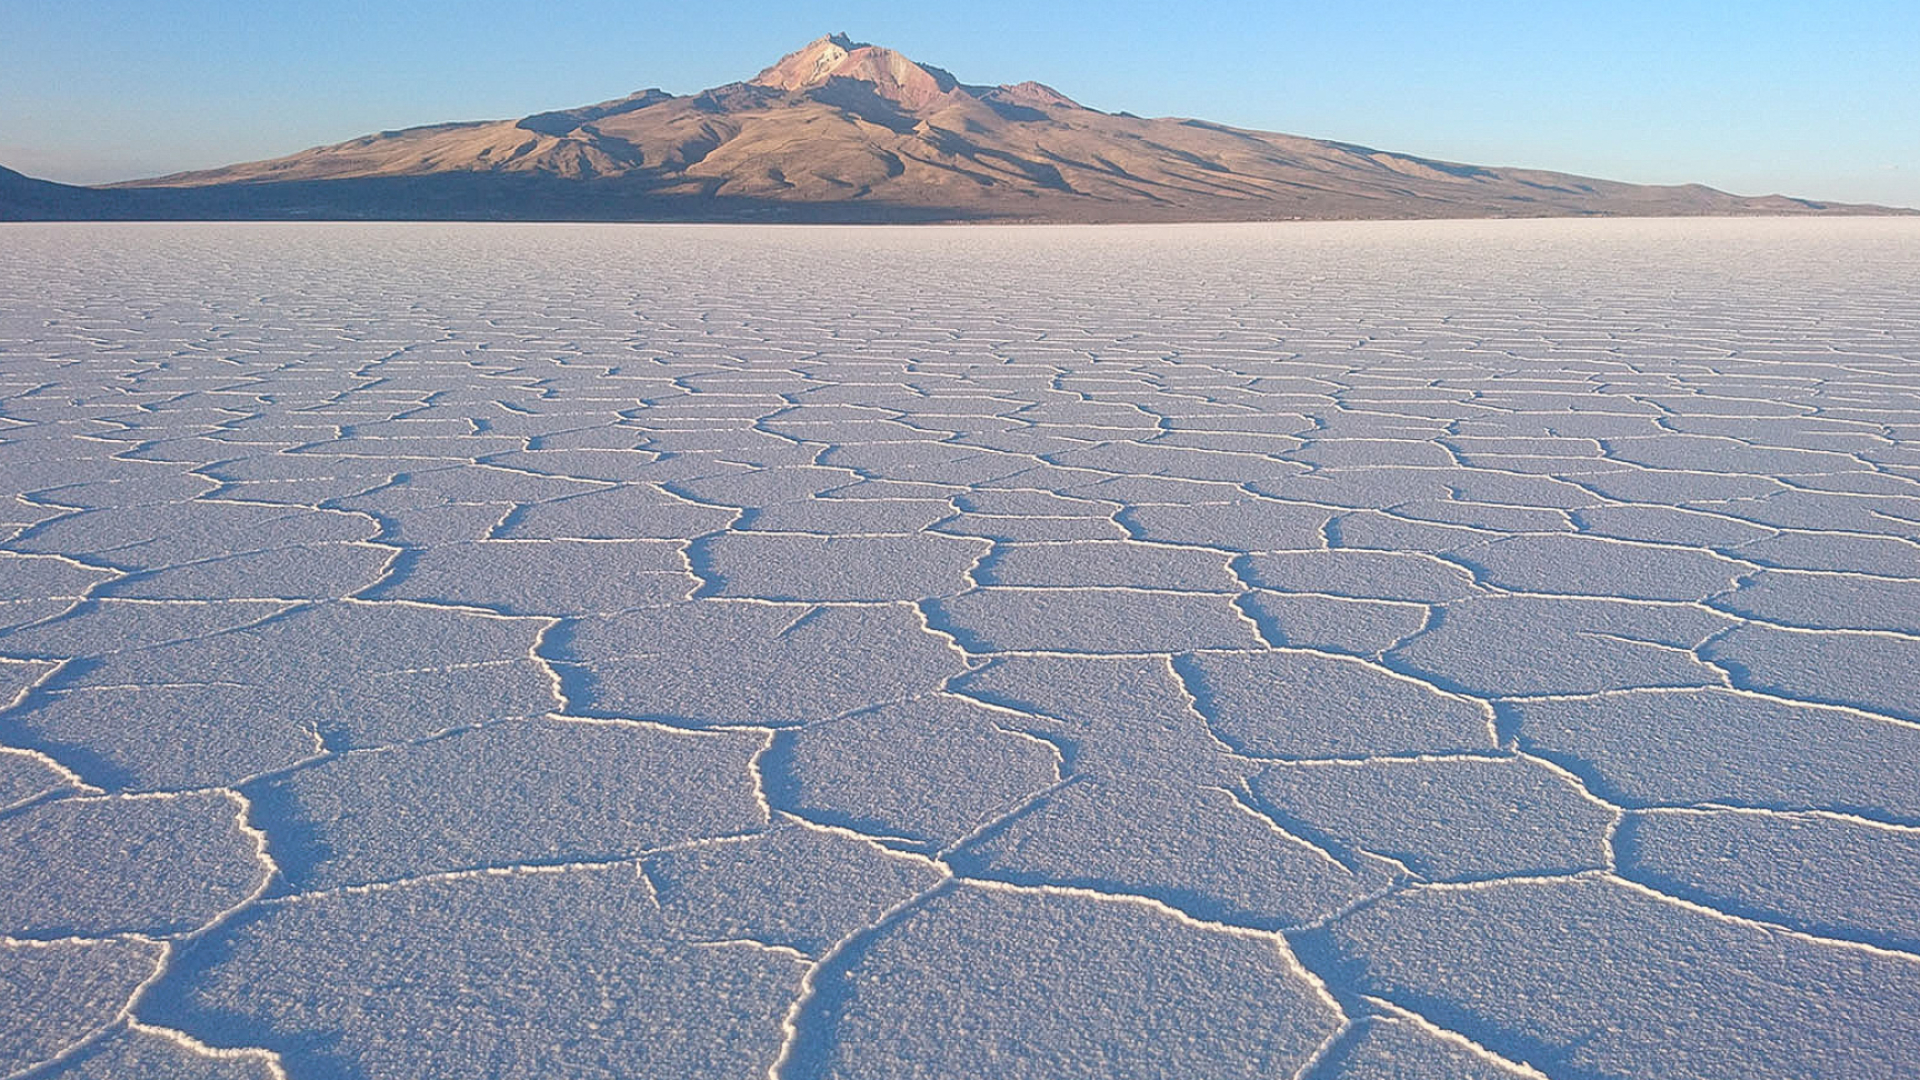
[{"x": 1333, "y": 651}]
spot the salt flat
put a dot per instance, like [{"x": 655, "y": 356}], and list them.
[{"x": 1321, "y": 651}]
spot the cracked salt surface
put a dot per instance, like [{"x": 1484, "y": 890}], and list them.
[{"x": 1339, "y": 652}]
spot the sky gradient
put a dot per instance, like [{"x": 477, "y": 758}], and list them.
[{"x": 1816, "y": 101}]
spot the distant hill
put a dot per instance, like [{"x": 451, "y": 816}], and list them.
[{"x": 843, "y": 131}]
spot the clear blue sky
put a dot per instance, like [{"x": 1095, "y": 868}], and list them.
[{"x": 1821, "y": 100}]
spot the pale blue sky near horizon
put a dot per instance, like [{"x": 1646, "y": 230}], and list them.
[{"x": 1816, "y": 101}]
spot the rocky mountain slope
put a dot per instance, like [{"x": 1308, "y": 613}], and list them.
[{"x": 843, "y": 131}]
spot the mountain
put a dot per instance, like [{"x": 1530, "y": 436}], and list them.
[{"x": 844, "y": 131}]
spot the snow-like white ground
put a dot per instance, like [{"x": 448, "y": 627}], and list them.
[{"x": 1342, "y": 652}]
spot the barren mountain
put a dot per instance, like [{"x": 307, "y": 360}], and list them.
[{"x": 839, "y": 130}]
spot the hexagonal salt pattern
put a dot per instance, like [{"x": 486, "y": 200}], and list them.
[{"x": 1332, "y": 652}]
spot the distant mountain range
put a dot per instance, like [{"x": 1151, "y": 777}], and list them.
[{"x": 843, "y": 131}]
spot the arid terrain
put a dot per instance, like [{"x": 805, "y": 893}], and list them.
[
  {"x": 1341, "y": 652},
  {"x": 843, "y": 131}
]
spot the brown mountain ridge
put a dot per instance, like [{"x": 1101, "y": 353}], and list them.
[{"x": 844, "y": 131}]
